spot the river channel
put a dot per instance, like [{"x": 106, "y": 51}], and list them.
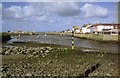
[{"x": 66, "y": 40}]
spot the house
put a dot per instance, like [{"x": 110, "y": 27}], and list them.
[
  {"x": 104, "y": 28},
  {"x": 67, "y": 31},
  {"x": 115, "y": 32},
  {"x": 77, "y": 31},
  {"x": 87, "y": 29}
]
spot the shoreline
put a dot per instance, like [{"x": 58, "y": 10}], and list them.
[
  {"x": 84, "y": 36},
  {"x": 94, "y": 37},
  {"x": 35, "y": 44}
]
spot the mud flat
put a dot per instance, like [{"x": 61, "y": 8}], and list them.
[{"x": 54, "y": 60}]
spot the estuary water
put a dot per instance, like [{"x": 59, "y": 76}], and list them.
[{"x": 66, "y": 40}]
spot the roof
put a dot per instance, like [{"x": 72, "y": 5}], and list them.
[{"x": 105, "y": 24}]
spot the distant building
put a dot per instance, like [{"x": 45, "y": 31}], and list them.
[
  {"x": 105, "y": 28},
  {"x": 77, "y": 31},
  {"x": 86, "y": 29},
  {"x": 68, "y": 31}
]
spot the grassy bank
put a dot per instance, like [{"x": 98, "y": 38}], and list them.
[{"x": 4, "y": 37}]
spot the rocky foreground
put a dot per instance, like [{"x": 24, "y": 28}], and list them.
[
  {"x": 29, "y": 51},
  {"x": 49, "y": 61}
]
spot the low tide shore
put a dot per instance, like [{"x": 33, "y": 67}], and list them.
[
  {"x": 96, "y": 37},
  {"x": 35, "y": 59}
]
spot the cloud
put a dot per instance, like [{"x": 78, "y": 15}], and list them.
[
  {"x": 59, "y": 8},
  {"x": 66, "y": 8},
  {"x": 0, "y": 5},
  {"x": 36, "y": 18},
  {"x": 18, "y": 11},
  {"x": 94, "y": 11},
  {"x": 43, "y": 8},
  {"x": 54, "y": 14},
  {"x": 41, "y": 11}
]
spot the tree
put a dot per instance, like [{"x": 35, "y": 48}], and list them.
[
  {"x": 84, "y": 25},
  {"x": 75, "y": 27}
]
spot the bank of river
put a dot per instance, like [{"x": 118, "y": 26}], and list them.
[
  {"x": 4, "y": 37},
  {"x": 66, "y": 41},
  {"x": 96, "y": 37}
]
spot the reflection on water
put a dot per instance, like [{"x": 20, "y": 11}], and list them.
[{"x": 66, "y": 40}]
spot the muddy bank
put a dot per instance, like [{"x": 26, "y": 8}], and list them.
[
  {"x": 95, "y": 37},
  {"x": 53, "y": 60}
]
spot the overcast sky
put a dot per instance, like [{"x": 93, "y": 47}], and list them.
[{"x": 55, "y": 16}]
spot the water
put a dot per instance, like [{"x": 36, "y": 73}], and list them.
[{"x": 66, "y": 40}]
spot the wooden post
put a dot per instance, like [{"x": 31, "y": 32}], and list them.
[{"x": 73, "y": 39}]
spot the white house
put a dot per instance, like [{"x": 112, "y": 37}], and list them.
[
  {"x": 77, "y": 31},
  {"x": 86, "y": 29},
  {"x": 99, "y": 28}
]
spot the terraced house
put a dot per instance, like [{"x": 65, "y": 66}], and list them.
[{"x": 112, "y": 29}]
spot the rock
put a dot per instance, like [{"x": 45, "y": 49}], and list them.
[
  {"x": 50, "y": 61},
  {"x": 47, "y": 51},
  {"x": 3, "y": 50},
  {"x": 49, "y": 48},
  {"x": 41, "y": 51},
  {"x": 30, "y": 56},
  {"x": 43, "y": 56},
  {"x": 23, "y": 52},
  {"x": 34, "y": 53},
  {"x": 41, "y": 48},
  {"x": 36, "y": 56},
  {"x": 7, "y": 53},
  {"x": 48, "y": 74},
  {"x": 28, "y": 74},
  {"x": 5, "y": 68},
  {"x": 108, "y": 74}
]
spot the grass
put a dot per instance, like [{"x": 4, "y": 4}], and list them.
[{"x": 4, "y": 37}]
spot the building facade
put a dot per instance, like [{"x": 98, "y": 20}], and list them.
[{"x": 104, "y": 28}]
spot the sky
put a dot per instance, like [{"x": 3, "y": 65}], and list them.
[{"x": 55, "y": 16}]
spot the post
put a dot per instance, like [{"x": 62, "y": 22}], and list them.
[{"x": 73, "y": 39}]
